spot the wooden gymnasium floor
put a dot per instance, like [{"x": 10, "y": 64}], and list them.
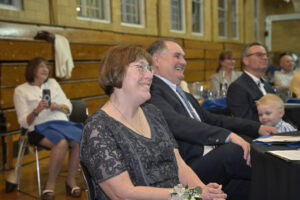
[{"x": 29, "y": 187}]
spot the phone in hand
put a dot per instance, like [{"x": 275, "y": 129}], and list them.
[{"x": 47, "y": 96}]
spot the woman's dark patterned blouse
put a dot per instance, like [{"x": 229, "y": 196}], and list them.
[{"x": 109, "y": 148}]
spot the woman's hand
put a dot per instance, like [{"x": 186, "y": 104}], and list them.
[
  {"x": 42, "y": 105},
  {"x": 54, "y": 106},
  {"x": 213, "y": 191},
  {"x": 63, "y": 108}
]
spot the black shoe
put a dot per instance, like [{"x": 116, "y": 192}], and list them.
[{"x": 10, "y": 187}]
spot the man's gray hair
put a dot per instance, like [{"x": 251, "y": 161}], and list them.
[
  {"x": 159, "y": 45},
  {"x": 245, "y": 51}
]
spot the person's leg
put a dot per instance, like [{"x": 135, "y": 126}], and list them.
[
  {"x": 222, "y": 164},
  {"x": 73, "y": 163},
  {"x": 57, "y": 156}
]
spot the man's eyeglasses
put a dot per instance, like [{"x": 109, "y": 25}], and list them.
[
  {"x": 144, "y": 68},
  {"x": 258, "y": 54}
]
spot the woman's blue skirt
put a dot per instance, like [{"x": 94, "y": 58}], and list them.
[{"x": 60, "y": 129}]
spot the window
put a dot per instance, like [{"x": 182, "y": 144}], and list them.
[
  {"x": 222, "y": 11},
  {"x": 197, "y": 16},
  {"x": 234, "y": 19},
  {"x": 10, "y": 4},
  {"x": 94, "y": 9},
  {"x": 256, "y": 20},
  {"x": 132, "y": 12},
  {"x": 177, "y": 15}
]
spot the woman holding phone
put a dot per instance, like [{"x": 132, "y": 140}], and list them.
[{"x": 43, "y": 108}]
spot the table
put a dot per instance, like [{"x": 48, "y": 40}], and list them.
[{"x": 272, "y": 177}]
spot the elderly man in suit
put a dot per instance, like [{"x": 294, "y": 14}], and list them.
[
  {"x": 250, "y": 86},
  {"x": 207, "y": 141}
]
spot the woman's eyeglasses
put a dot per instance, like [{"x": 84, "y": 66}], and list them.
[{"x": 144, "y": 68}]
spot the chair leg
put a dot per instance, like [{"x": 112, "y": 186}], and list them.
[
  {"x": 38, "y": 171},
  {"x": 13, "y": 180}
]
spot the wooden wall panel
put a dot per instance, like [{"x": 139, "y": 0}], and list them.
[
  {"x": 84, "y": 70},
  {"x": 12, "y": 74},
  {"x": 6, "y": 95},
  {"x": 88, "y": 51},
  {"x": 14, "y": 50},
  {"x": 194, "y": 53},
  {"x": 202, "y": 45},
  {"x": 82, "y": 89},
  {"x": 194, "y": 76},
  {"x": 195, "y": 64},
  {"x": 212, "y": 53},
  {"x": 211, "y": 65},
  {"x": 11, "y": 120}
]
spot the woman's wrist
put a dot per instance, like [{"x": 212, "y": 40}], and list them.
[{"x": 35, "y": 113}]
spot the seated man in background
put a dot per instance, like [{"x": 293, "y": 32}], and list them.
[
  {"x": 270, "y": 112},
  {"x": 207, "y": 141},
  {"x": 250, "y": 86},
  {"x": 282, "y": 78}
]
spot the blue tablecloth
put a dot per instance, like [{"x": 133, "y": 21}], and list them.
[
  {"x": 293, "y": 100},
  {"x": 219, "y": 103}
]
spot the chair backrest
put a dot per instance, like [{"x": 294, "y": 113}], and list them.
[
  {"x": 79, "y": 113},
  {"x": 90, "y": 192}
]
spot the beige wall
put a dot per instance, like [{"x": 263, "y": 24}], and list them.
[
  {"x": 34, "y": 11},
  {"x": 157, "y": 19},
  {"x": 285, "y": 36}
]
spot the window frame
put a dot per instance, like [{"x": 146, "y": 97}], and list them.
[
  {"x": 16, "y": 5},
  {"x": 182, "y": 17},
  {"x": 107, "y": 10},
  {"x": 201, "y": 20},
  {"x": 235, "y": 14},
  {"x": 225, "y": 19},
  {"x": 141, "y": 8}
]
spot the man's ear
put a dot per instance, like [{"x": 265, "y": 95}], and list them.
[
  {"x": 245, "y": 60},
  {"x": 155, "y": 58}
]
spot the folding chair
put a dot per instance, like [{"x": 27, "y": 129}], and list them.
[
  {"x": 79, "y": 114},
  {"x": 13, "y": 180},
  {"x": 90, "y": 191}
]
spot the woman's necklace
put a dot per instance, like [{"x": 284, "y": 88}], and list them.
[{"x": 124, "y": 118}]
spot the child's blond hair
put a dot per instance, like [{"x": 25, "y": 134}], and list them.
[{"x": 271, "y": 99}]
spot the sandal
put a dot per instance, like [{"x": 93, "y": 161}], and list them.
[
  {"x": 47, "y": 195},
  {"x": 73, "y": 192}
]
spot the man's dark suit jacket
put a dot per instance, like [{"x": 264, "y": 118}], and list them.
[
  {"x": 191, "y": 134},
  {"x": 241, "y": 97}
]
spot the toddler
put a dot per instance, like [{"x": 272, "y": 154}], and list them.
[{"x": 270, "y": 112}]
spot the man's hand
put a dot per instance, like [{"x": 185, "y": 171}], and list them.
[
  {"x": 234, "y": 138},
  {"x": 267, "y": 130},
  {"x": 213, "y": 191}
]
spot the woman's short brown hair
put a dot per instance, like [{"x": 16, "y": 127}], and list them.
[
  {"x": 32, "y": 66},
  {"x": 114, "y": 63},
  {"x": 223, "y": 56}
]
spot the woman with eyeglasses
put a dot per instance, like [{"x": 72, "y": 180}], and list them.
[
  {"x": 225, "y": 74},
  {"x": 46, "y": 119},
  {"x": 126, "y": 145}
]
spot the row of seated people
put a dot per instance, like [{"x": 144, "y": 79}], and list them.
[
  {"x": 150, "y": 135},
  {"x": 250, "y": 86},
  {"x": 279, "y": 77}
]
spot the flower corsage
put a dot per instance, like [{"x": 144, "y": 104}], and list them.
[{"x": 184, "y": 193}]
